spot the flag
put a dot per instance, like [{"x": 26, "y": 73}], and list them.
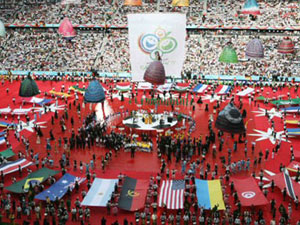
[
  {"x": 100, "y": 192},
  {"x": 283, "y": 180},
  {"x": 32, "y": 182},
  {"x": 293, "y": 101},
  {"x": 293, "y": 109},
  {"x": 61, "y": 94},
  {"x": 152, "y": 33},
  {"x": 2, "y": 140},
  {"x": 7, "y": 153},
  {"x": 144, "y": 86},
  {"x": 180, "y": 3},
  {"x": 38, "y": 176},
  {"x": 181, "y": 87},
  {"x": 5, "y": 110},
  {"x": 7, "y": 124},
  {"x": 223, "y": 89},
  {"x": 209, "y": 194},
  {"x": 245, "y": 92},
  {"x": 248, "y": 192},
  {"x": 21, "y": 111},
  {"x": 77, "y": 89},
  {"x": 133, "y": 194},
  {"x": 200, "y": 88},
  {"x": 60, "y": 188},
  {"x": 165, "y": 87},
  {"x": 123, "y": 86},
  {"x": 293, "y": 166},
  {"x": 40, "y": 101},
  {"x": 11, "y": 167},
  {"x": 293, "y": 131},
  {"x": 171, "y": 194}
]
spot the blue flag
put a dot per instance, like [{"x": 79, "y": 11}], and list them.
[{"x": 60, "y": 188}]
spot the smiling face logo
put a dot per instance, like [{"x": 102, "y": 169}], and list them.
[{"x": 160, "y": 42}]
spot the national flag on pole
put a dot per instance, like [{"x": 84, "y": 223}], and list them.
[
  {"x": 123, "y": 86},
  {"x": 209, "y": 194},
  {"x": 100, "y": 192},
  {"x": 60, "y": 188},
  {"x": 248, "y": 192},
  {"x": 133, "y": 194},
  {"x": 200, "y": 88},
  {"x": 245, "y": 92},
  {"x": 11, "y": 167},
  {"x": 40, "y": 101},
  {"x": 293, "y": 166},
  {"x": 144, "y": 86},
  {"x": 181, "y": 87},
  {"x": 171, "y": 194},
  {"x": 223, "y": 89},
  {"x": 283, "y": 180},
  {"x": 165, "y": 87}
]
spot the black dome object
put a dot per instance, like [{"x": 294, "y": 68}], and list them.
[
  {"x": 28, "y": 88},
  {"x": 230, "y": 120}
]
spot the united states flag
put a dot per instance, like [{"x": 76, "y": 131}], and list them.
[{"x": 171, "y": 194}]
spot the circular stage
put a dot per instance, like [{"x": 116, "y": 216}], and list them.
[{"x": 150, "y": 121}]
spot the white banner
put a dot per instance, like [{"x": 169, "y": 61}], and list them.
[{"x": 156, "y": 32}]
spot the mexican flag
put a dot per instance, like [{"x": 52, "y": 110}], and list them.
[
  {"x": 181, "y": 87},
  {"x": 123, "y": 86}
]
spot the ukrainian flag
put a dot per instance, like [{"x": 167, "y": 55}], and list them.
[{"x": 209, "y": 194}]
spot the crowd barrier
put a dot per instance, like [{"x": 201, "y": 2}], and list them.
[{"x": 128, "y": 75}]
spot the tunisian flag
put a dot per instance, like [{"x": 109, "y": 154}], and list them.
[{"x": 249, "y": 192}]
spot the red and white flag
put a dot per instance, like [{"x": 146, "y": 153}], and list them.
[
  {"x": 293, "y": 166},
  {"x": 123, "y": 86},
  {"x": 171, "y": 194},
  {"x": 181, "y": 87},
  {"x": 248, "y": 192},
  {"x": 11, "y": 167}
]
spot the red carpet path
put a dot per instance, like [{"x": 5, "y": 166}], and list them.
[{"x": 145, "y": 165}]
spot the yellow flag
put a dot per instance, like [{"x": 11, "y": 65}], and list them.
[
  {"x": 133, "y": 2},
  {"x": 180, "y": 3}
]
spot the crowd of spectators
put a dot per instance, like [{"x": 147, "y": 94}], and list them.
[
  {"x": 108, "y": 51},
  {"x": 212, "y": 13}
]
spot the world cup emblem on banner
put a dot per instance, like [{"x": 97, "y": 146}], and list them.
[{"x": 160, "y": 41}]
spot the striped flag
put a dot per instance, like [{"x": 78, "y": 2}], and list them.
[
  {"x": 14, "y": 166},
  {"x": 289, "y": 184},
  {"x": 223, "y": 89},
  {"x": 181, "y": 87},
  {"x": 200, "y": 88},
  {"x": 123, "y": 86},
  {"x": 171, "y": 194},
  {"x": 100, "y": 192}
]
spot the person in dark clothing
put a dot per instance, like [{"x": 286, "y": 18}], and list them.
[{"x": 103, "y": 221}]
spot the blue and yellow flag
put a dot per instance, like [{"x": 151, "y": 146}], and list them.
[
  {"x": 209, "y": 194},
  {"x": 32, "y": 182},
  {"x": 180, "y": 3}
]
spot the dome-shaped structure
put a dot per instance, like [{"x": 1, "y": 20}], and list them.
[
  {"x": 28, "y": 88},
  {"x": 230, "y": 120},
  {"x": 286, "y": 46},
  {"x": 255, "y": 49},
  {"x": 2, "y": 29},
  {"x": 94, "y": 93},
  {"x": 155, "y": 73},
  {"x": 251, "y": 7},
  {"x": 133, "y": 2},
  {"x": 66, "y": 29},
  {"x": 228, "y": 55}
]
